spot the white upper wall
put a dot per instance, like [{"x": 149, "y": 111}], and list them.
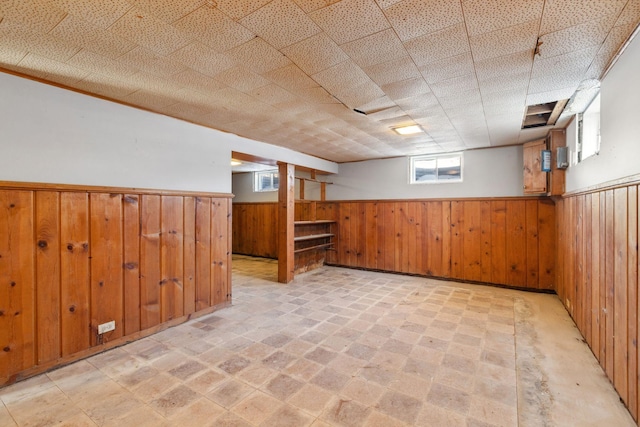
[
  {"x": 620, "y": 126},
  {"x": 493, "y": 172},
  {"x": 53, "y": 135}
]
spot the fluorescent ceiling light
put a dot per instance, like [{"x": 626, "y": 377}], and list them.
[
  {"x": 408, "y": 130},
  {"x": 235, "y": 162}
]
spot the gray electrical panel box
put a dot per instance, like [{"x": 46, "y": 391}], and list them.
[{"x": 562, "y": 157}]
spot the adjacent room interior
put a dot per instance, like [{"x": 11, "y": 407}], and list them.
[{"x": 319, "y": 213}]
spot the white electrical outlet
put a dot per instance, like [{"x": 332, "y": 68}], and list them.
[{"x": 106, "y": 327}]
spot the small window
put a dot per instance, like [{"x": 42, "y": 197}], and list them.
[
  {"x": 589, "y": 130},
  {"x": 265, "y": 181},
  {"x": 436, "y": 169}
]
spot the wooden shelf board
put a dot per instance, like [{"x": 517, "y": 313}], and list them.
[
  {"x": 320, "y": 221},
  {"x": 310, "y": 248},
  {"x": 312, "y": 237}
]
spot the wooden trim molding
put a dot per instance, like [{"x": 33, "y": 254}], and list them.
[{"x": 35, "y": 186}]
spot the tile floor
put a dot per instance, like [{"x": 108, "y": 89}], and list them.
[{"x": 336, "y": 347}]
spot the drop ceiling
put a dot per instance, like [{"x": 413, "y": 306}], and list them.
[{"x": 292, "y": 72}]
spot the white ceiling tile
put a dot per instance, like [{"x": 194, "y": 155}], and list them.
[
  {"x": 447, "y": 68},
  {"x": 258, "y": 56},
  {"x": 272, "y": 94},
  {"x": 167, "y": 10},
  {"x": 281, "y": 23},
  {"x": 567, "y": 13},
  {"x": 185, "y": 111},
  {"x": 151, "y": 63},
  {"x": 455, "y": 85},
  {"x": 150, "y": 100},
  {"x": 341, "y": 77},
  {"x": 195, "y": 80},
  {"x": 464, "y": 98},
  {"x": 415, "y": 18},
  {"x": 20, "y": 40},
  {"x": 350, "y": 20},
  {"x": 512, "y": 64},
  {"x": 607, "y": 51},
  {"x": 202, "y": 58},
  {"x": 393, "y": 71},
  {"x": 572, "y": 62},
  {"x": 630, "y": 14},
  {"x": 406, "y": 88},
  {"x": 573, "y": 38},
  {"x": 238, "y": 9},
  {"x": 52, "y": 70},
  {"x": 102, "y": 14},
  {"x": 242, "y": 79},
  {"x": 483, "y": 16},
  {"x": 550, "y": 96},
  {"x": 148, "y": 31},
  {"x": 513, "y": 82},
  {"x": 315, "y": 94},
  {"x": 290, "y": 76},
  {"x": 315, "y": 54},
  {"x": 504, "y": 42},
  {"x": 375, "y": 49},
  {"x": 84, "y": 34},
  {"x": 213, "y": 28},
  {"x": 436, "y": 46},
  {"x": 360, "y": 94},
  {"x": 311, "y": 5},
  {"x": 33, "y": 14},
  {"x": 504, "y": 99},
  {"x": 106, "y": 86},
  {"x": 387, "y": 3},
  {"x": 94, "y": 63}
]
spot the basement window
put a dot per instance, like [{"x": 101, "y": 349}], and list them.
[
  {"x": 589, "y": 130},
  {"x": 435, "y": 169},
  {"x": 266, "y": 181}
]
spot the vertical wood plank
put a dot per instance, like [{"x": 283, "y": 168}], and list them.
[
  {"x": 516, "y": 243},
  {"x": 434, "y": 235},
  {"x": 609, "y": 282},
  {"x": 410, "y": 236},
  {"x": 371, "y": 233},
  {"x": 399, "y": 244},
  {"x": 106, "y": 265},
  {"x": 345, "y": 247},
  {"x": 632, "y": 300},
  {"x": 219, "y": 253},
  {"x": 588, "y": 282},
  {"x": 131, "y": 212},
  {"x": 47, "y": 275},
  {"x": 421, "y": 240},
  {"x": 499, "y": 242},
  {"x": 472, "y": 241},
  {"x": 17, "y": 290},
  {"x": 546, "y": 243},
  {"x": 457, "y": 239},
  {"x": 446, "y": 239},
  {"x": 380, "y": 235},
  {"x": 74, "y": 272},
  {"x": 576, "y": 253},
  {"x": 603, "y": 279},
  {"x": 286, "y": 201},
  {"x": 532, "y": 236},
  {"x": 203, "y": 253},
  {"x": 189, "y": 266},
  {"x": 485, "y": 234},
  {"x": 390, "y": 236},
  {"x": 594, "y": 268},
  {"x": 150, "y": 267},
  {"x": 620, "y": 321}
]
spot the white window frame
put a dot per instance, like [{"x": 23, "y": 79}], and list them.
[
  {"x": 437, "y": 158},
  {"x": 594, "y": 126},
  {"x": 257, "y": 181}
]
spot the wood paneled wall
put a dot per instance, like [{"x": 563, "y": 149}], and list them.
[
  {"x": 500, "y": 241},
  {"x": 597, "y": 279},
  {"x": 72, "y": 258}
]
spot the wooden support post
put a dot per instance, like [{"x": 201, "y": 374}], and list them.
[
  {"x": 323, "y": 191},
  {"x": 286, "y": 206},
  {"x": 302, "y": 189}
]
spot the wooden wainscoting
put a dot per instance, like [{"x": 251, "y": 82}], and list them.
[
  {"x": 509, "y": 241},
  {"x": 597, "y": 278},
  {"x": 499, "y": 241},
  {"x": 72, "y": 258}
]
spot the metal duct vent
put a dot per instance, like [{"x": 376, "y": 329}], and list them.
[{"x": 543, "y": 114}]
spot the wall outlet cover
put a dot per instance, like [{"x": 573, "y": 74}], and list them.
[{"x": 106, "y": 327}]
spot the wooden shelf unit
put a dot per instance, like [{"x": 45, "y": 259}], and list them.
[{"x": 311, "y": 240}]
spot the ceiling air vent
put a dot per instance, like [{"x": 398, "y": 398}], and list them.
[{"x": 543, "y": 114}]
